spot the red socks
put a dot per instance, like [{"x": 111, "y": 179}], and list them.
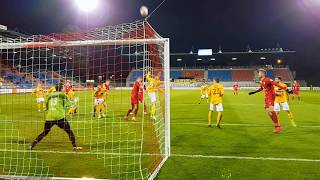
[{"x": 275, "y": 119}]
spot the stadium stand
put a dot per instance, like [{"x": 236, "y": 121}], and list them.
[
  {"x": 284, "y": 73},
  {"x": 243, "y": 75},
  {"x": 270, "y": 73},
  {"x": 223, "y": 75},
  {"x": 175, "y": 74},
  {"x": 193, "y": 74}
]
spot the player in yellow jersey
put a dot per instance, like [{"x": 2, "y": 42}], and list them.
[
  {"x": 203, "y": 92},
  {"x": 281, "y": 101},
  {"x": 153, "y": 87},
  {"x": 51, "y": 90},
  {"x": 99, "y": 102},
  {"x": 39, "y": 92},
  {"x": 215, "y": 92}
]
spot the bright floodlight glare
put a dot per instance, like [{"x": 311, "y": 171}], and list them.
[{"x": 87, "y": 5}]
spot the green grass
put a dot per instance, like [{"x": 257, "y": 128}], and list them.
[
  {"x": 246, "y": 132},
  {"x": 191, "y": 136}
]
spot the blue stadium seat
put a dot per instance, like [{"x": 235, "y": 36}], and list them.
[
  {"x": 223, "y": 75},
  {"x": 270, "y": 73},
  {"x": 135, "y": 75},
  {"x": 175, "y": 74}
]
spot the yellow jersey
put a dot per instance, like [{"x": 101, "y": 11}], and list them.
[
  {"x": 154, "y": 84},
  {"x": 216, "y": 92},
  {"x": 99, "y": 94},
  {"x": 105, "y": 90},
  {"x": 39, "y": 92},
  {"x": 51, "y": 90},
  {"x": 281, "y": 94},
  {"x": 204, "y": 89}
]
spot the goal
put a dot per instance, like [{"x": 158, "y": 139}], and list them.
[{"x": 114, "y": 147}]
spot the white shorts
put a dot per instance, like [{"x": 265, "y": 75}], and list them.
[
  {"x": 153, "y": 97},
  {"x": 204, "y": 96},
  {"x": 98, "y": 101},
  {"x": 285, "y": 106},
  {"x": 217, "y": 107},
  {"x": 40, "y": 100}
]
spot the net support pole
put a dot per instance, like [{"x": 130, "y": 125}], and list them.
[{"x": 167, "y": 95}]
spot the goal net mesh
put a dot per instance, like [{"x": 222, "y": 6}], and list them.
[{"x": 113, "y": 147}]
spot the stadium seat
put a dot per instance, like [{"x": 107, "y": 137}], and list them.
[
  {"x": 242, "y": 75},
  {"x": 193, "y": 74},
  {"x": 283, "y": 73},
  {"x": 175, "y": 74},
  {"x": 135, "y": 74},
  {"x": 223, "y": 75},
  {"x": 270, "y": 73}
]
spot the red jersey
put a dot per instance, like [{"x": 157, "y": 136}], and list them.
[
  {"x": 68, "y": 88},
  {"x": 235, "y": 87},
  {"x": 296, "y": 87},
  {"x": 267, "y": 85},
  {"x": 142, "y": 87},
  {"x": 106, "y": 87},
  {"x": 135, "y": 92}
]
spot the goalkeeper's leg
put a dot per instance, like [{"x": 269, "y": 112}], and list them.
[
  {"x": 47, "y": 127},
  {"x": 94, "y": 110},
  {"x": 64, "y": 124}
]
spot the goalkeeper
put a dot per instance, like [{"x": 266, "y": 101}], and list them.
[{"x": 57, "y": 104}]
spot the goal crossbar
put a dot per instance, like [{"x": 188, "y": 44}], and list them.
[{"x": 30, "y": 45}]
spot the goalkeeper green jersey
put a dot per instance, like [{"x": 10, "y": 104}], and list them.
[{"x": 56, "y": 105}]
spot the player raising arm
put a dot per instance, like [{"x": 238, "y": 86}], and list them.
[
  {"x": 281, "y": 100},
  {"x": 56, "y": 115},
  {"x": 134, "y": 100},
  {"x": 39, "y": 92},
  {"x": 216, "y": 92},
  {"x": 268, "y": 86},
  {"x": 153, "y": 88}
]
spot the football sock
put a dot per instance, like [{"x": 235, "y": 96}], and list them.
[
  {"x": 219, "y": 117},
  {"x": 209, "y": 117},
  {"x": 275, "y": 119}
]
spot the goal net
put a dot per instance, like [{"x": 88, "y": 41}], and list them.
[{"x": 99, "y": 71}]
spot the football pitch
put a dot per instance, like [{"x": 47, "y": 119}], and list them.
[{"x": 244, "y": 148}]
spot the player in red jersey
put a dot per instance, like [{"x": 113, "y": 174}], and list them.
[
  {"x": 296, "y": 90},
  {"x": 267, "y": 85},
  {"x": 134, "y": 99},
  {"x": 141, "y": 97},
  {"x": 235, "y": 88}
]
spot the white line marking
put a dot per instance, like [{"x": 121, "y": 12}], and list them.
[
  {"x": 245, "y": 125},
  {"x": 101, "y": 121},
  {"x": 172, "y": 155},
  {"x": 246, "y": 158}
]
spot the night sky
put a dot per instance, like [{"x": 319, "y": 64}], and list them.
[{"x": 233, "y": 24}]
